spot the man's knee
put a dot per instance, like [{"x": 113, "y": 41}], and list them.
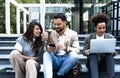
[
  {"x": 74, "y": 55},
  {"x": 46, "y": 55}
]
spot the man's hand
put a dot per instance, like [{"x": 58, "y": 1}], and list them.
[
  {"x": 45, "y": 36},
  {"x": 50, "y": 48},
  {"x": 61, "y": 47}
]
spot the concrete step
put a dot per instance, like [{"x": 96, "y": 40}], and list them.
[
  {"x": 6, "y": 56},
  {"x": 12, "y": 43},
  {"x": 84, "y": 68},
  {"x": 6, "y": 50},
  {"x": 6, "y": 71},
  {"x": 7, "y": 43},
  {"x": 6, "y": 46},
  {"x": 84, "y": 57},
  {"x": 9, "y": 37},
  {"x": 4, "y": 59}
]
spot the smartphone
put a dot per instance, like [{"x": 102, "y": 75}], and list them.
[{"x": 51, "y": 45}]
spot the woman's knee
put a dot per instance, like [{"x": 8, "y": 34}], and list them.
[
  {"x": 14, "y": 53},
  {"x": 29, "y": 62}
]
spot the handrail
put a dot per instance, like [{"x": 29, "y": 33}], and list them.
[{"x": 109, "y": 4}]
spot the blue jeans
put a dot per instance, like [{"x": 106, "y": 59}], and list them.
[
  {"x": 94, "y": 65},
  {"x": 63, "y": 63}
]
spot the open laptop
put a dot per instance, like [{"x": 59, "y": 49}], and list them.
[{"x": 102, "y": 45}]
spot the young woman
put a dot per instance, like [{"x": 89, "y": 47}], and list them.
[
  {"x": 100, "y": 22},
  {"x": 24, "y": 58}
]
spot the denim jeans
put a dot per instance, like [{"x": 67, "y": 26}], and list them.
[
  {"x": 94, "y": 65},
  {"x": 63, "y": 63}
]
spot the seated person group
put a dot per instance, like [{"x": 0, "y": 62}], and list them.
[{"x": 61, "y": 49}]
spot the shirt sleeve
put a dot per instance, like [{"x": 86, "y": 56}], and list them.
[{"x": 18, "y": 46}]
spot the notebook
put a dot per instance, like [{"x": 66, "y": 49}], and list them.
[{"x": 102, "y": 45}]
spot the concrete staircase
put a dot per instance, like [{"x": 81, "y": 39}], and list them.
[{"x": 6, "y": 46}]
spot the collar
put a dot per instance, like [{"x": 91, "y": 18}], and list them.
[
  {"x": 65, "y": 32},
  {"x": 97, "y": 37}
]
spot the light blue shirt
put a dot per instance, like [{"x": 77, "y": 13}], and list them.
[{"x": 24, "y": 46}]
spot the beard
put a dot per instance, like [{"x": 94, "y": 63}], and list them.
[{"x": 60, "y": 30}]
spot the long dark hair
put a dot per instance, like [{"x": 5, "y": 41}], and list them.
[{"x": 29, "y": 37}]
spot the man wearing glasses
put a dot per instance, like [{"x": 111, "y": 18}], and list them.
[{"x": 64, "y": 54}]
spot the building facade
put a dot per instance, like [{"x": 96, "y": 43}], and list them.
[{"x": 109, "y": 7}]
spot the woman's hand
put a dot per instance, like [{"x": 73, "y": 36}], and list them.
[
  {"x": 87, "y": 52},
  {"x": 35, "y": 58},
  {"x": 25, "y": 58},
  {"x": 115, "y": 53},
  {"x": 28, "y": 58}
]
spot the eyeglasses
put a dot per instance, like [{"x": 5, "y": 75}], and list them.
[{"x": 58, "y": 24}]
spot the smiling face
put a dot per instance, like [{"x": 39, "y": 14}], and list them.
[
  {"x": 36, "y": 31},
  {"x": 59, "y": 25},
  {"x": 100, "y": 28}
]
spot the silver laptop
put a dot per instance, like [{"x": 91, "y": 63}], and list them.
[{"x": 102, "y": 45}]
